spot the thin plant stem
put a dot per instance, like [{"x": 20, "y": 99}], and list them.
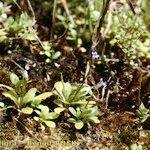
[
  {"x": 53, "y": 20},
  {"x": 31, "y": 8}
]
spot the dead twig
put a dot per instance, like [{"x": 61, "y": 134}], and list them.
[
  {"x": 31, "y": 9},
  {"x": 131, "y": 6},
  {"x": 65, "y": 5},
  {"x": 109, "y": 19},
  {"x": 98, "y": 37},
  {"x": 30, "y": 132},
  {"x": 53, "y": 20},
  {"x": 17, "y": 4}
]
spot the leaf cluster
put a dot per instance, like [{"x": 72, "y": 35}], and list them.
[{"x": 73, "y": 99}]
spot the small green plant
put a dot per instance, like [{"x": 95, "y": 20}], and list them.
[
  {"x": 83, "y": 115},
  {"x": 45, "y": 116},
  {"x": 20, "y": 96},
  {"x": 21, "y": 26},
  {"x": 49, "y": 52},
  {"x": 70, "y": 95},
  {"x": 142, "y": 112},
  {"x": 133, "y": 36},
  {"x": 3, "y": 107},
  {"x": 136, "y": 147},
  {"x": 79, "y": 29},
  {"x": 4, "y": 10}
]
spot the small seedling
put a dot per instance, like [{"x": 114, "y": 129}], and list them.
[
  {"x": 83, "y": 115},
  {"x": 49, "y": 52},
  {"x": 136, "y": 147},
  {"x": 143, "y": 112},
  {"x": 45, "y": 116}
]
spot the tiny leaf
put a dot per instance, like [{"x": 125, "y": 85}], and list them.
[
  {"x": 27, "y": 110},
  {"x": 94, "y": 119},
  {"x": 52, "y": 115},
  {"x": 58, "y": 110},
  {"x": 50, "y": 124},
  {"x": 56, "y": 55},
  {"x": 29, "y": 95},
  {"x": 14, "y": 78},
  {"x": 7, "y": 87},
  {"x": 37, "y": 100},
  {"x": 72, "y": 120},
  {"x": 72, "y": 110},
  {"x": 13, "y": 96},
  {"x": 79, "y": 124},
  {"x": 58, "y": 102},
  {"x": 36, "y": 118},
  {"x": 44, "y": 109},
  {"x": 2, "y": 104}
]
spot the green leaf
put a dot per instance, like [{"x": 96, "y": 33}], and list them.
[
  {"x": 143, "y": 109},
  {"x": 136, "y": 147},
  {"x": 58, "y": 110},
  {"x": 37, "y": 100},
  {"x": 91, "y": 103},
  {"x": 58, "y": 102},
  {"x": 2, "y": 104},
  {"x": 72, "y": 120},
  {"x": 59, "y": 87},
  {"x": 79, "y": 124},
  {"x": 3, "y": 32},
  {"x": 36, "y": 118},
  {"x": 14, "y": 78},
  {"x": 143, "y": 112},
  {"x": 13, "y": 96},
  {"x": 82, "y": 94},
  {"x": 51, "y": 116},
  {"x": 85, "y": 90},
  {"x": 94, "y": 119},
  {"x": 73, "y": 111},
  {"x": 47, "y": 46},
  {"x": 27, "y": 110},
  {"x": 7, "y": 87},
  {"x": 94, "y": 110},
  {"x": 37, "y": 111},
  {"x": 79, "y": 103},
  {"x": 56, "y": 55},
  {"x": 44, "y": 109},
  {"x": 29, "y": 96},
  {"x": 78, "y": 112},
  {"x": 47, "y": 53},
  {"x": 50, "y": 124},
  {"x": 67, "y": 89}
]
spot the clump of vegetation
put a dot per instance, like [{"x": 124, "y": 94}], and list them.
[
  {"x": 83, "y": 115},
  {"x": 45, "y": 116},
  {"x": 101, "y": 48},
  {"x": 24, "y": 100},
  {"x": 143, "y": 112},
  {"x": 49, "y": 52},
  {"x": 69, "y": 95},
  {"x": 75, "y": 99},
  {"x": 133, "y": 36}
]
